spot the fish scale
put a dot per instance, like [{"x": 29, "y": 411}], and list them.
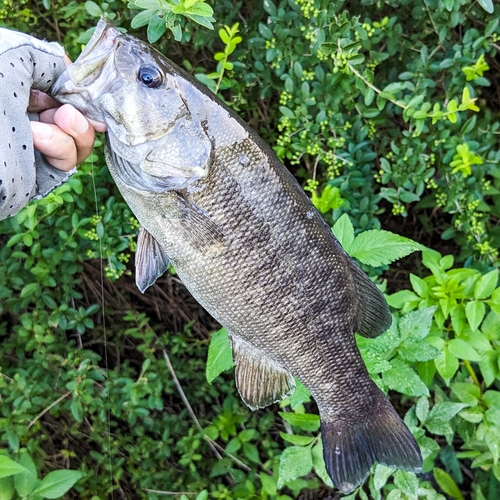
[{"x": 214, "y": 201}]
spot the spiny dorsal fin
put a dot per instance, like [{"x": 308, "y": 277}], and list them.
[
  {"x": 151, "y": 261},
  {"x": 261, "y": 381},
  {"x": 372, "y": 312}
]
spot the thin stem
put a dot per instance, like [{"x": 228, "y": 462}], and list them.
[
  {"x": 375, "y": 89},
  {"x": 472, "y": 373},
  {"x": 42, "y": 413}
]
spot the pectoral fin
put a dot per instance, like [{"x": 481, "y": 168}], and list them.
[
  {"x": 261, "y": 381},
  {"x": 151, "y": 261}
]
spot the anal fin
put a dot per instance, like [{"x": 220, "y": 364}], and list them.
[
  {"x": 151, "y": 261},
  {"x": 261, "y": 381}
]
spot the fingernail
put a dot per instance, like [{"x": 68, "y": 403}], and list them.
[
  {"x": 41, "y": 131},
  {"x": 80, "y": 123}
]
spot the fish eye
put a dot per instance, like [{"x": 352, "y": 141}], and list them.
[{"x": 150, "y": 76}]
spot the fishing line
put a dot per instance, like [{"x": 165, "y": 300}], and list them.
[{"x": 108, "y": 410}]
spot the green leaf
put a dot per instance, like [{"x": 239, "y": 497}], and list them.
[
  {"x": 295, "y": 462},
  {"x": 402, "y": 378},
  {"x": 297, "y": 439},
  {"x": 156, "y": 28},
  {"x": 26, "y": 481},
  {"x": 487, "y": 5},
  {"x": 344, "y": 232},
  {"x": 220, "y": 355},
  {"x": 6, "y": 488},
  {"x": 8, "y": 467},
  {"x": 416, "y": 324},
  {"x": 466, "y": 393},
  {"x": 287, "y": 112},
  {"x": 475, "y": 311},
  {"x": 300, "y": 395},
  {"x": 304, "y": 421},
  {"x": 56, "y": 483},
  {"x": 29, "y": 290},
  {"x": 143, "y": 18},
  {"x": 378, "y": 247},
  {"x": 407, "y": 482},
  {"x": 486, "y": 285},
  {"x": 319, "y": 463},
  {"x": 93, "y": 9},
  {"x": 463, "y": 350},
  {"x": 447, "y": 484},
  {"x": 446, "y": 364}
]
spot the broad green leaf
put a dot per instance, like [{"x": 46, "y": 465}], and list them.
[
  {"x": 419, "y": 285},
  {"x": 487, "y": 5},
  {"x": 304, "y": 421},
  {"x": 446, "y": 364},
  {"x": 295, "y": 462},
  {"x": 475, "y": 311},
  {"x": 446, "y": 410},
  {"x": 269, "y": 484},
  {"x": 486, "y": 285},
  {"x": 297, "y": 439},
  {"x": 300, "y": 395},
  {"x": 93, "y": 9},
  {"x": 402, "y": 298},
  {"x": 287, "y": 112},
  {"x": 416, "y": 324},
  {"x": 220, "y": 355},
  {"x": 407, "y": 482},
  {"x": 26, "y": 481},
  {"x": 422, "y": 409},
  {"x": 56, "y": 483},
  {"x": 319, "y": 463},
  {"x": 463, "y": 350},
  {"x": 378, "y": 247},
  {"x": 402, "y": 378},
  {"x": 417, "y": 350},
  {"x": 156, "y": 28},
  {"x": 8, "y": 467},
  {"x": 381, "y": 475},
  {"x": 447, "y": 484},
  {"x": 466, "y": 393},
  {"x": 143, "y": 18},
  {"x": 344, "y": 232},
  {"x": 7, "y": 489},
  {"x": 251, "y": 452}
]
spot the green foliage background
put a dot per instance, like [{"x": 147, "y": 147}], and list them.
[{"x": 388, "y": 114}]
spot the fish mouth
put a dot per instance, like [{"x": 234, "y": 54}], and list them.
[{"x": 97, "y": 57}]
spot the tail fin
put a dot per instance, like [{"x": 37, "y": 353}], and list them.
[{"x": 351, "y": 448}]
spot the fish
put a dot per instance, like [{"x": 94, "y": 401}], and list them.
[{"x": 215, "y": 202}]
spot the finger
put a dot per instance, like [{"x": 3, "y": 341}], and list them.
[
  {"x": 73, "y": 123},
  {"x": 58, "y": 147},
  {"x": 39, "y": 101}
]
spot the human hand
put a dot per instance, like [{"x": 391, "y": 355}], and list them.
[
  {"x": 35, "y": 157},
  {"x": 63, "y": 135}
]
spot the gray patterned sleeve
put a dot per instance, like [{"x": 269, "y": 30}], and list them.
[{"x": 25, "y": 63}]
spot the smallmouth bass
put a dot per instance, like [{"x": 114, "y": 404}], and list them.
[{"x": 214, "y": 201}]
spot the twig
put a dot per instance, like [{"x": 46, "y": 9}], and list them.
[
  {"x": 42, "y": 413},
  {"x": 186, "y": 402}
]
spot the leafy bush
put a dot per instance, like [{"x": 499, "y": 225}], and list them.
[{"x": 387, "y": 112}]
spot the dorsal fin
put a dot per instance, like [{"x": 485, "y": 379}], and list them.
[
  {"x": 261, "y": 381},
  {"x": 372, "y": 312},
  {"x": 151, "y": 261}
]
